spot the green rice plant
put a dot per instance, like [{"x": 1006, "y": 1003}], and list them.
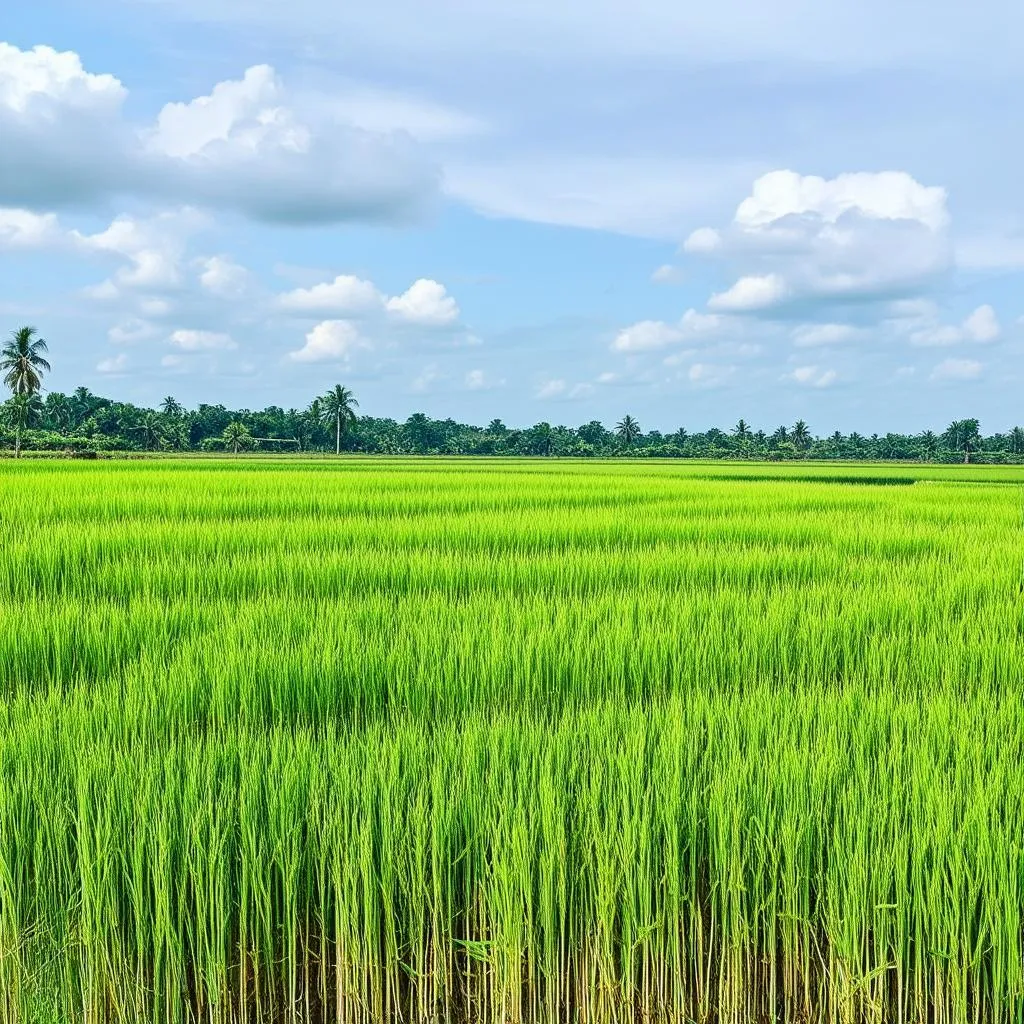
[{"x": 428, "y": 740}]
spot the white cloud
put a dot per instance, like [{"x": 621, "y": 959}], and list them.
[
  {"x": 330, "y": 341},
  {"x": 130, "y": 331},
  {"x": 250, "y": 145},
  {"x": 426, "y": 303},
  {"x": 426, "y": 379},
  {"x": 552, "y": 388},
  {"x": 957, "y": 369},
  {"x": 223, "y": 277},
  {"x": 201, "y": 341},
  {"x": 813, "y": 376},
  {"x": 35, "y": 81},
  {"x": 114, "y": 364},
  {"x": 750, "y": 294},
  {"x": 888, "y": 195},
  {"x": 865, "y": 238},
  {"x": 703, "y": 240},
  {"x": 980, "y": 327},
  {"x": 649, "y": 335},
  {"x": 813, "y": 335},
  {"x": 479, "y": 380},
  {"x": 646, "y": 335},
  {"x": 24, "y": 229},
  {"x": 710, "y": 375},
  {"x": 667, "y": 274},
  {"x": 152, "y": 249},
  {"x": 346, "y": 295}
]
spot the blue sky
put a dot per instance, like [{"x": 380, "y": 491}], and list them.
[{"x": 557, "y": 211}]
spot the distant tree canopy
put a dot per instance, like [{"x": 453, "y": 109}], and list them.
[{"x": 82, "y": 421}]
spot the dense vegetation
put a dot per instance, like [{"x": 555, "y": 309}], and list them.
[
  {"x": 316, "y": 741},
  {"x": 84, "y": 422}
]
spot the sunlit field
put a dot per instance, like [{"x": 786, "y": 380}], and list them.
[{"x": 540, "y": 741}]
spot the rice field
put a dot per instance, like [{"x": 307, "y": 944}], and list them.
[{"x": 469, "y": 741}]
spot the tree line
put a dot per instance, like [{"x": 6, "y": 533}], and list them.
[{"x": 85, "y": 424}]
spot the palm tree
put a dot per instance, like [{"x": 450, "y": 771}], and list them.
[
  {"x": 20, "y": 411},
  {"x": 929, "y": 443},
  {"x": 1017, "y": 440},
  {"x": 22, "y": 361},
  {"x": 171, "y": 407},
  {"x": 58, "y": 410},
  {"x": 628, "y": 430},
  {"x": 339, "y": 405},
  {"x": 741, "y": 430},
  {"x": 801, "y": 435},
  {"x": 237, "y": 436},
  {"x": 963, "y": 436},
  {"x": 150, "y": 429}
]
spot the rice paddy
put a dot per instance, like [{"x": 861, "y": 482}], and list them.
[{"x": 452, "y": 741}]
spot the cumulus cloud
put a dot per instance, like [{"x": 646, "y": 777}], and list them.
[
  {"x": 957, "y": 369},
  {"x": 813, "y": 376},
  {"x": 22, "y": 229},
  {"x": 813, "y": 335},
  {"x": 331, "y": 341},
  {"x": 249, "y": 145},
  {"x": 703, "y": 240},
  {"x": 479, "y": 380},
  {"x": 201, "y": 341},
  {"x": 150, "y": 249},
  {"x": 648, "y": 335},
  {"x": 552, "y": 388},
  {"x": 751, "y": 293},
  {"x": 426, "y": 303},
  {"x": 346, "y": 295},
  {"x": 222, "y": 276},
  {"x": 800, "y": 241},
  {"x": 131, "y": 330},
  {"x": 114, "y": 364},
  {"x": 980, "y": 327},
  {"x": 667, "y": 274}
]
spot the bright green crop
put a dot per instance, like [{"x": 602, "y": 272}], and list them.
[{"x": 470, "y": 741}]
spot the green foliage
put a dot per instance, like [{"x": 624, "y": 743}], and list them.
[{"x": 305, "y": 741}]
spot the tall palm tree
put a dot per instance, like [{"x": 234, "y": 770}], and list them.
[
  {"x": 237, "y": 436},
  {"x": 339, "y": 405},
  {"x": 150, "y": 429},
  {"x": 964, "y": 436},
  {"x": 22, "y": 361},
  {"x": 58, "y": 411},
  {"x": 628, "y": 430},
  {"x": 801, "y": 435},
  {"x": 171, "y": 407},
  {"x": 741, "y": 430},
  {"x": 20, "y": 412}
]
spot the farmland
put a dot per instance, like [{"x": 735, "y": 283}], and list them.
[{"x": 481, "y": 741}]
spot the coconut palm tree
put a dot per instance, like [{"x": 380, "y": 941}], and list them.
[
  {"x": 171, "y": 407},
  {"x": 151, "y": 429},
  {"x": 237, "y": 436},
  {"x": 338, "y": 406},
  {"x": 801, "y": 435},
  {"x": 628, "y": 430},
  {"x": 21, "y": 412},
  {"x": 963, "y": 436},
  {"x": 22, "y": 362},
  {"x": 741, "y": 431}
]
